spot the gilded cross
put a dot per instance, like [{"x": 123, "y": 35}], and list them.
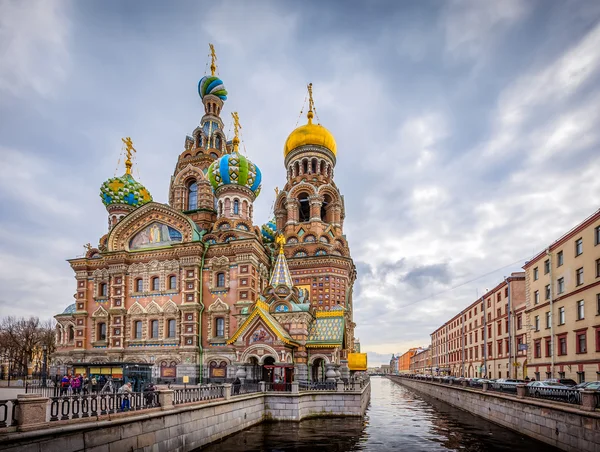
[
  {"x": 129, "y": 149},
  {"x": 213, "y": 60}
]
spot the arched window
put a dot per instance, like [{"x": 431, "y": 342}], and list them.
[
  {"x": 220, "y": 327},
  {"x": 172, "y": 325},
  {"x": 139, "y": 285},
  {"x": 218, "y": 142},
  {"x": 199, "y": 140},
  {"x": 154, "y": 329},
  {"x": 155, "y": 284},
  {"x": 324, "y": 214},
  {"x": 305, "y": 166},
  {"x": 314, "y": 166},
  {"x": 102, "y": 331},
  {"x": 192, "y": 196},
  {"x": 172, "y": 282},
  {"x": 213, "y": 155},
  {"x": 220, "y": 279},
  {"x": 138, "y": 329},
  {"x": 304, "y": 210},
  {"x": 236, "y": 207},
  {"x": 71, "y": 333},
  {"x": 104, "y": 290}
]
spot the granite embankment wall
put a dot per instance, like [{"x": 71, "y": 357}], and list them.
[
  {"x": 565, "y": 427},
  {"x": 186, "y": 427}
]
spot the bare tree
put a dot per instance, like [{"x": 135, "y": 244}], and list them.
[{"x": 22, "y": 340}]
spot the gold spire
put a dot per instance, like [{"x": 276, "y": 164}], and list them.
[
  {"x": 280, "y": 240},
  {"x": 129, "y": 149},
  {"x": 236, "y": 130},
  {"x": 311, "y": 104},
  {"x": 213, "y": 60}
]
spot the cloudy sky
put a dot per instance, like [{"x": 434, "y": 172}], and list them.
[{"x": 468, "y": 132}]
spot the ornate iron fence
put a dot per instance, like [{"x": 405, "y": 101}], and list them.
[
  {"x": 245, "y": 388},
  {"x": 7, "y": 413},
  {"x": 197, "y": 394},
  {"x": 567, "y": 395},
  {"x": 317, "y": 386},
  {"x": 278, "y": 387},
  {"x": 501, "y": 387},
  {"x": 83, "y": 406}
]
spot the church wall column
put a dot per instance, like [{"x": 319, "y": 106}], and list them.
[
  {"x": 315, "y": 207},
  {"x": 292, "y": 211}
]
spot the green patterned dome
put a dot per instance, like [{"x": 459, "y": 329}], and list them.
[
  {"x": 124, "y": 190},
  {"x": 235, "y": 169}
]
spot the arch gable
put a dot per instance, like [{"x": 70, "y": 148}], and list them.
[
  {"x": 190, "y": 171},
  {"x": 100, "y": 312},
  {"x": 170, "y": 307},
  {"x": 293, "y": 194},
  {"x": 144, "y": 216},
  {"x": 218, "y": 306},
  {"x": 313, "y": 358},
  {"x": 136, "y": 308},
  {"x": 153, "y": 308}
]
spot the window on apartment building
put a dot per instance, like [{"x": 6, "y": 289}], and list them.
[
  {"x": 489, "y": 316},
  {"x": 506, "y": 292},
  {"x": 475, "y": 336},
  {"x": 499, "y": 328},
  {"x": 537, "y": 322},
  {"x": 548, "y": 347},
  {"x": 581, "y": 342},
  {"x": 537, "y": 349},
  {"x": 597, "y": 268},
  {"x": 579, "y": 276},
  {"x": 560, "y": 259},
  {"x": 546, "y": 266},
  {"x": 548, "y": 292},
  {"x": 561, "y": 315},
  {"x": 578, "y": 247},
  {"x": 499, "y": 296},
  {"x": 499, "y": 312},
  {"x": 598, "y": 304},
  {"x": 489, "y": 302},
  {"x": 499, "y": 348},
  {"x": 580, "y": 377},
  {"x": 490, "y": 350},
  {"x": 519, "y": 321},
  {"x": 506, "y": 346},
  {"x": 580, "y": 310},
  {"x": 598, "y": 340},
  {"x": 561, "y": 375},
  {"x": 506, "y": 326},
  {"x": 470, "y": 338},
  {"x": 548, "y": 319},
  {"x": 562, "y": 345},
  {"x": 561, "y": 285},
  {"x": 536, "y": 274},
  {"x": 489, "y": 331},
  {"x": 476, "y": 353},
  {"x": 597, "y": 235},
  {"x": 536, "y": 297}
]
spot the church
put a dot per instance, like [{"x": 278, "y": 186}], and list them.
[{"x": 194, "y": 290}]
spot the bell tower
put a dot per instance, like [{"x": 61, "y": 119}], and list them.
[{"x": 190, "y": 190}]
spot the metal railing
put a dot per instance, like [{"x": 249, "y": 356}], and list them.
[
  {"x": 197, "y": 394},
  {"x": 245, "y": 388},
  {"x": 278, "y": 387},
  {"x": 8, "y": 413},
  {"x": 50, "y": 390},
  {"x": 558, "y": 394},
  {"x": 84, "y": 406},
  {"x": 501, "y": 387},
  {"x": 317, "y": 386}
]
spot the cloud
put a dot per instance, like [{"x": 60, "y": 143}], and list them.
[{"x": 34, "y": 54}]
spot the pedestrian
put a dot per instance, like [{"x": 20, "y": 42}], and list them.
[
  {"x": 94, "y": 384},
  {"x": 76, "y": 384},
  {"x": 64, "y": 385},
  {"x": 236, "y": 385},
  {"x": 149, "y": 394},
  {"x": 125, "y": 390}
]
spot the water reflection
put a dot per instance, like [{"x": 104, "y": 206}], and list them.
[{"x": 398, "y": 419}]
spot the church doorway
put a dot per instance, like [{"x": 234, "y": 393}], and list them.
[
  {"x": 279, "y": 375},
  {"x": 318, "y": 370}
]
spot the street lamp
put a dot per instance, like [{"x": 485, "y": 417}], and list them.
[{"x": 44, "y": 364}]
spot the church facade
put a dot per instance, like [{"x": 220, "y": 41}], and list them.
[{"x": 194, "y": 288}]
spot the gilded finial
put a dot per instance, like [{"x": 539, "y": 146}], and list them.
[
  {"x": 129, "y": 149},
  {"x": 280, "y": 240},
  {"x": 88, "y": 246},
  {"x": 311, "y": 104},
  {"x": 276, "y": 191},
  {"x": 213, "y": 60},
  {"x": 236, "y": 130}
]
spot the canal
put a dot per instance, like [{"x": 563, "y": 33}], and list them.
[{"x": 398, "y": 419}]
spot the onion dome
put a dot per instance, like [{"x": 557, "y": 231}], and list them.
[
  {"x": 210, "y": 84},
  {"x": 268, "y": 231},
  {"x": 71, "y": 309},
  {"x": 124, "y": 190},
  {"x": 310, "y": 134},
  {"x": 235, "y": 169}
]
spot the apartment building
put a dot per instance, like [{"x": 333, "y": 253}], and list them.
[
  {"x": 420, "y": 362},
  {"x": 563, "y": 306},
  {"x": 486, "y": 338},
  {"x": 404, "y": 360}
]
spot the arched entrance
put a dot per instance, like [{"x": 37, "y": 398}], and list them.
[
  {"x": 278, "y": 374},
  {"x": 318, "y": 370}
]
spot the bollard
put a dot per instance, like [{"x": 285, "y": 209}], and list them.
[
  {"x": 31, "y": 412},
  {"x": 262, "y": 386},
  {"x": 464, "y": 383},
  {"x": 340, "y": 386},
  {"x": 485, "y": 386},
  {"x": 165, "y": 399},
  {"x": 521, "y": 391},
  {"x": 295, "y": 387}
]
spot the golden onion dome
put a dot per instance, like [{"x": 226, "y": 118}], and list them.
[{"x": 308, "y": 134}]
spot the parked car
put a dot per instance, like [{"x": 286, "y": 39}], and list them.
[
  {"x": 507, "y": 383},
  {"x": 593, "y": 385},
  {"x": 563, "y": 381},
  {"x": 554, "y": 390}
]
